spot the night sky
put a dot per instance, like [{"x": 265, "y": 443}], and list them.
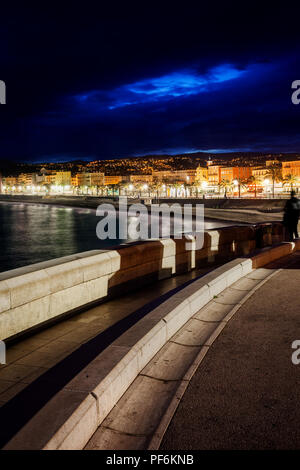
[{"x": 87, "y": 83}]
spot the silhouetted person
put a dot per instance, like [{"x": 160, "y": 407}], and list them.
[{"x": 291, "y": 216}]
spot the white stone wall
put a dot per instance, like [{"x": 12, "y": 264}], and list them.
[{"x": 40, "y": 293}]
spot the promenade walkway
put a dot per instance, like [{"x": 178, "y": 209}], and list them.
[
  {"x": 245, "y": 393},
  {"x": 31, "y": 357},
  {"x": 39, "y": 365},
  {"x": 238, "y": 390}
]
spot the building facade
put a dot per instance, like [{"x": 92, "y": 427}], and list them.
[
  {"x": 63, "y": 178},
  {"x": 108, "y": 180},
  {"x": 148, "y": 179},
  {"x": 239, "y": 173},
  {"x": 175, "y": 176},
  {"x": 201, "y": 174},
  {"x": 291, "y": 168},
  {"x": 214, "y": 175}
]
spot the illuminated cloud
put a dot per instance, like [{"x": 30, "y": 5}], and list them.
[{"x": 174, "y": 85}]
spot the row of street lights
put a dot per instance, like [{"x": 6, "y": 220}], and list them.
[{"x": 162, "y": 190}]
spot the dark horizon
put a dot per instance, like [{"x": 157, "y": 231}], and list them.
[
  {"x": 214, "y": 155},
  {"x": 116, "y": 83},
  {"x": 10, "y": 167}
]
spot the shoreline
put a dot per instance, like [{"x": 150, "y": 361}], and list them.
[
  {"x": 82, "y": 243},
  {"x": 86, "y": 203},
  {"x": 230, "y": 217},
  {"x": 247, "y": 211}
]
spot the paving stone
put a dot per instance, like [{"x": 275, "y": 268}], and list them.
[
  {"x": 107, "y": 439},
  {"x": 33, "y": 343},
  {"x": 260, "y": 273},
  {"x": 12, "y": 391},
  {"x": 141, "y": 408},
  {"x": 213, "y": 311},
  {"x": 230, "y": 296},
  {"x": 171, "y": 362},
  {"x": 40, "y": 359},
  {"x": 14, "y": 353},
  {"x": 195, "y": 333},
  {"x": 80, "y": 335},
  {"x": 37, "y": 372},
  {"x": 5, "y": 384},
  {"x": 246, "y": 284},
  {"x": 17, "y": 372},
  {"x": 57, "y": 347}
]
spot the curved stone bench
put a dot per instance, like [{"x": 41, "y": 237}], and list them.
[{"x": 72, "y": 416}]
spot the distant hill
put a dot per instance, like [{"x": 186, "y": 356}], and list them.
[{"x": 145, "y": 164}]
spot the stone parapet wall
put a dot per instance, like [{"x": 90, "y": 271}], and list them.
[{"x": 34, "y": 295}]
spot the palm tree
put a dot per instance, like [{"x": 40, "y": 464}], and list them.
[
  {"x": 117, "y": 188},
  {"x": 177, "y": 186},
  {"x": 46, "y": 187},
  {"x": 145, "y": 188},
  {"x": 254, "y": 180},
  {"x": 101, "y": 188},
  {"x": 226, "y": 185},
  {"x": 290, "y": 180},
  {"x": 110, "y": 188},
  {"x": 195, "y": 187},
  {"x": 274, "y": 172},
  {"x": 242, "y": 183},
  {"x": 155, "y": 187},
  {"x": 185, "y": 187}
]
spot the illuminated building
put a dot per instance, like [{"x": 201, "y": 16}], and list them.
[
  {"x": 97, "y": 178},
  {"x": 10, "y": 181},
  {"x": 27, "y": 178},
  {"x": 175, "y": 176},
  {"x": 141, "y": 178},
  {"x": 231, "y": 173},
  {"x": 291, "y": 168},
  {"x": 201, "y": 174},
  {"x": 112, "y": 179},
  {"x": 260, "y": 172},
  {"x": 63, "y": 178},
  {"x": 214, "y": 175}
]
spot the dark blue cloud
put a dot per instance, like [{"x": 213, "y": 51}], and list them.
[{"x": 179, "y": 83}]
